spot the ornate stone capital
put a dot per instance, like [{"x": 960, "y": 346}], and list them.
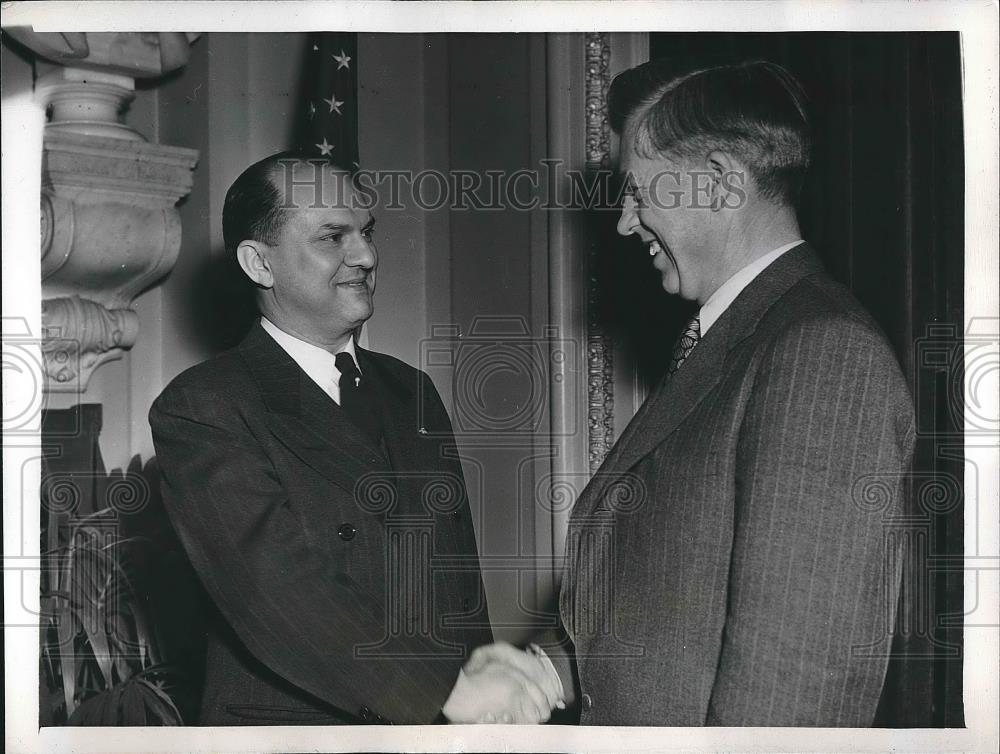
[
  {"x": 109, "y": 231},
  {"x": 108, "y": 222},
  {"x": 80, "y": 335}
]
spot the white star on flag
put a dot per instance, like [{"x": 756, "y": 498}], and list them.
[
  {"x": 327, "y": 122},
  {"x": 334, "y": 103},
  {"x": 343, "y": 59}
]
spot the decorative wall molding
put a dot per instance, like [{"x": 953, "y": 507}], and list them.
[{"x": 600, "y": 349}]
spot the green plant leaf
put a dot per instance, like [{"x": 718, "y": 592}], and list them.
[
  {"x": 105, "y": 656},
  {"x": 100, "y": 709},
  {"x": 88, "y": 578},
  {"x": 101, "y": 650},
  {"x": 160, "y": 704},
  {"x": 145, "y": 637},
  {"x": 65, "y": 629},
  {"x": 124, "y": 642},
  {"x": 134, "y": 702},
  {"x": 52, "y": 545},
  {"x": 133, "y": 709}
]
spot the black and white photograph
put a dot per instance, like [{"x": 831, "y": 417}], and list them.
[{"x": 524, "y": 376}]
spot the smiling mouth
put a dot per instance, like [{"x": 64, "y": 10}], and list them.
[
  {"x": 362, "y": 283},
  {"x": 654, "y": 247}
]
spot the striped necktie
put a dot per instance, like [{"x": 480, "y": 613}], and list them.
[{"x": 685, "y": 345}]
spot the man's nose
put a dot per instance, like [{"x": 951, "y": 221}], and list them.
[
  {"x": 361, "y": 254},
  {"x": 628, "y": 219}
]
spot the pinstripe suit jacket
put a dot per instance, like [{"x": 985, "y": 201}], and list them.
[
  {"x": 329, "y": 607},
  {"x": 728, "y": 564}
]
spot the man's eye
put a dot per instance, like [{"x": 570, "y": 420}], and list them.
[
  {"x": 369, "y": 233},
  {"x": 334, "y": 237}
]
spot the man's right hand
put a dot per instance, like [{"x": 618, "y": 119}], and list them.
[{"x": 501, "y": 683}]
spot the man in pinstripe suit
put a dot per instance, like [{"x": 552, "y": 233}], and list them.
[
  {"x": 748, "y": 582},
  {"x": 728, "y": 564},
  {"x": 273, "y": 455}
]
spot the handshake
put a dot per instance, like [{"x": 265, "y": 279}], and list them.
[{"x": 503, "y": 684}]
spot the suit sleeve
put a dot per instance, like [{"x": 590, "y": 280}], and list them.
[
  {"x": 824, "y": 447},
  {"x": 278, "y": 588},
  {"x": 558, "y": 647}
]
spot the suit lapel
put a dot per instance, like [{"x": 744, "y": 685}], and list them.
[
  {"x": 304, "y": 418},
  {"x": 414, "y": 456},
  {"x": 397, "y": 406},
  {"x": 674, "y": 398},
  {"x": 664, "y": 410}
]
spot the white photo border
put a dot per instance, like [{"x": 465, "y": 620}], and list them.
[{"x": 22, "y": 125}]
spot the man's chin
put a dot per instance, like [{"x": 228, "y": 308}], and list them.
[
  {"x": 671, "y": 282},
  {"x": 362, "y": 315},
  {"x": 364, "y": 312}
]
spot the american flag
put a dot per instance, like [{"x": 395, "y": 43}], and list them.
[{"x": 328, "y": 120}]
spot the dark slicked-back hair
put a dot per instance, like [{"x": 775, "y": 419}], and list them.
[
  {"x": 255, "y": 208},
  {"x": 754, "y": 110}
]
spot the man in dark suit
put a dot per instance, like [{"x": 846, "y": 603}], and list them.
[
  {"x": 730, "y": 563},
  {"x": 315, "y": 488}
]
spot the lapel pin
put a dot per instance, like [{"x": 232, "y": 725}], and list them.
[{"x": 422, "y": 431}]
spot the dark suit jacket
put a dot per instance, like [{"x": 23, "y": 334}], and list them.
[
  {"x": 321, "y": 552},
  {"x": 730, "y": 563}
]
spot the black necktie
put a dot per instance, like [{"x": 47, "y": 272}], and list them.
[
  {"x": 356, "y": 398},
  {"x": 685, "y": 345}
]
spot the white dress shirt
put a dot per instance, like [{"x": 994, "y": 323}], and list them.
[
  {"x": 316, "y": 362},
  {"x": 726, "y": 293}
]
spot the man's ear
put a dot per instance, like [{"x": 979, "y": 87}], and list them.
[
  {"x": 253, "y": 260},
  {"x": 728, "y": 178}
]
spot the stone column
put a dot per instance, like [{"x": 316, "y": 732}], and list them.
[{"x": 110, "y": 229}]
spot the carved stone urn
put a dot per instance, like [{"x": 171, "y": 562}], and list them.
[{"x": 110, "y": 229}]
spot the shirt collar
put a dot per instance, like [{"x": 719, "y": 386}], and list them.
[
  {"x": 726, "y": 293},
  {"x": 316, "y": 362}
]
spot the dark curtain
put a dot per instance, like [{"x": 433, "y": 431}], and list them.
[{"x": 883, "y": 205}]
